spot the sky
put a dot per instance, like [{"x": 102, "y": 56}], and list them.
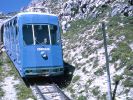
[{"x": 7, "y": 6}]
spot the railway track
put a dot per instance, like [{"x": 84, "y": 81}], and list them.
[{"x": 48, "y": 92}]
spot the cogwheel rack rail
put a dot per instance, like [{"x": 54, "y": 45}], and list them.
[{"x": 48, "y": 92}]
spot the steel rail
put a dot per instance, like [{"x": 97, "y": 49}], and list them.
[
  {"x": 39, "y": 92},
  {"x": 55, "y": 87},
  {"x": 60, "y": 91}
]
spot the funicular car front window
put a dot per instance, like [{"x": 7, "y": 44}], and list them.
[{"x": 40, "y": 34}]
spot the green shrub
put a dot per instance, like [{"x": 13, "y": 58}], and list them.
[
  {"x": 123, "y": 52},
  {"x": 23, "y": 92},
  {"x": 90, "y": 81},
  {"x": 75, "y": 79},
  {"x": 114, "y": 29},
  {"x": 70, "y": 89},
  {"x": 128, "y": 82},
  {"x": 99, "y": 72},
  {"x": 95, "y": 91},
  {"x": 1, "y": 62},
  {"x": 103, "y": 97},
  {"x": 118, "y": 78},
  {"x": 1, "y": 92},
  {"x": 98, "y": 35},
  {"x": 1, "y": 70},
  {"x": 13, "y": 71},
  {"x": 128, "y": 72},
  {"x": 1, "y": 74},
  {"x": 130, "y": 64},
  {"x": 81, "y": 97},
  {"x": 95, "y": 63},
  {"x": 79, "y": 26}
]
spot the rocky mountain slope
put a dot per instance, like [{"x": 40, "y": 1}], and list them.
[
  {"x": 83, "y": 45},
  {"x": 69, "y": 10}
]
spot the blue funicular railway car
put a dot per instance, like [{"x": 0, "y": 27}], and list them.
[{"x": 33, "y": 42}]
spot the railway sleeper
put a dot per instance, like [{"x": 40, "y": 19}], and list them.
[{"x": 50, "y": 92}]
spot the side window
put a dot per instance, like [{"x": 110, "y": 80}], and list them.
[
  {"x": 27, "y": 35},
  {"x": 12, "y": 29},
  {"x": 5, "y": 31},
  {"x": 16, "y": 28},
  {"x": 8, "y": 31},
  {"x": 2, "y": 29}
]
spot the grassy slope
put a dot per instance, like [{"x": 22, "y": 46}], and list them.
[
  {"x": 123, "y": 52},
  {"x": 117, "y": 26},
  {"x": 1, "y": 76},
  {"x": 22, "y": 91}
]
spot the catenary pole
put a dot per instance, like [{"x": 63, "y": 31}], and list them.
[{"x": 109, "y": 97}]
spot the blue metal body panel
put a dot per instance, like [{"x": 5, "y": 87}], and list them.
[
  {"x": 36, "y": 60},
  {"x": 28, "y": 59}
]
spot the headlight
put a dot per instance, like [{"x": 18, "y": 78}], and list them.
[{"x": 44, "y": 55}]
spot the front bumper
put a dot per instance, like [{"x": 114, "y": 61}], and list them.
[{"x": 44, "y": 71}]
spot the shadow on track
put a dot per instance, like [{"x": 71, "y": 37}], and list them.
[{"x": 62, "y": 81}]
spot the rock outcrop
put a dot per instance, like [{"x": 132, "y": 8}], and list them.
[{"x": 69, "y": 10}]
